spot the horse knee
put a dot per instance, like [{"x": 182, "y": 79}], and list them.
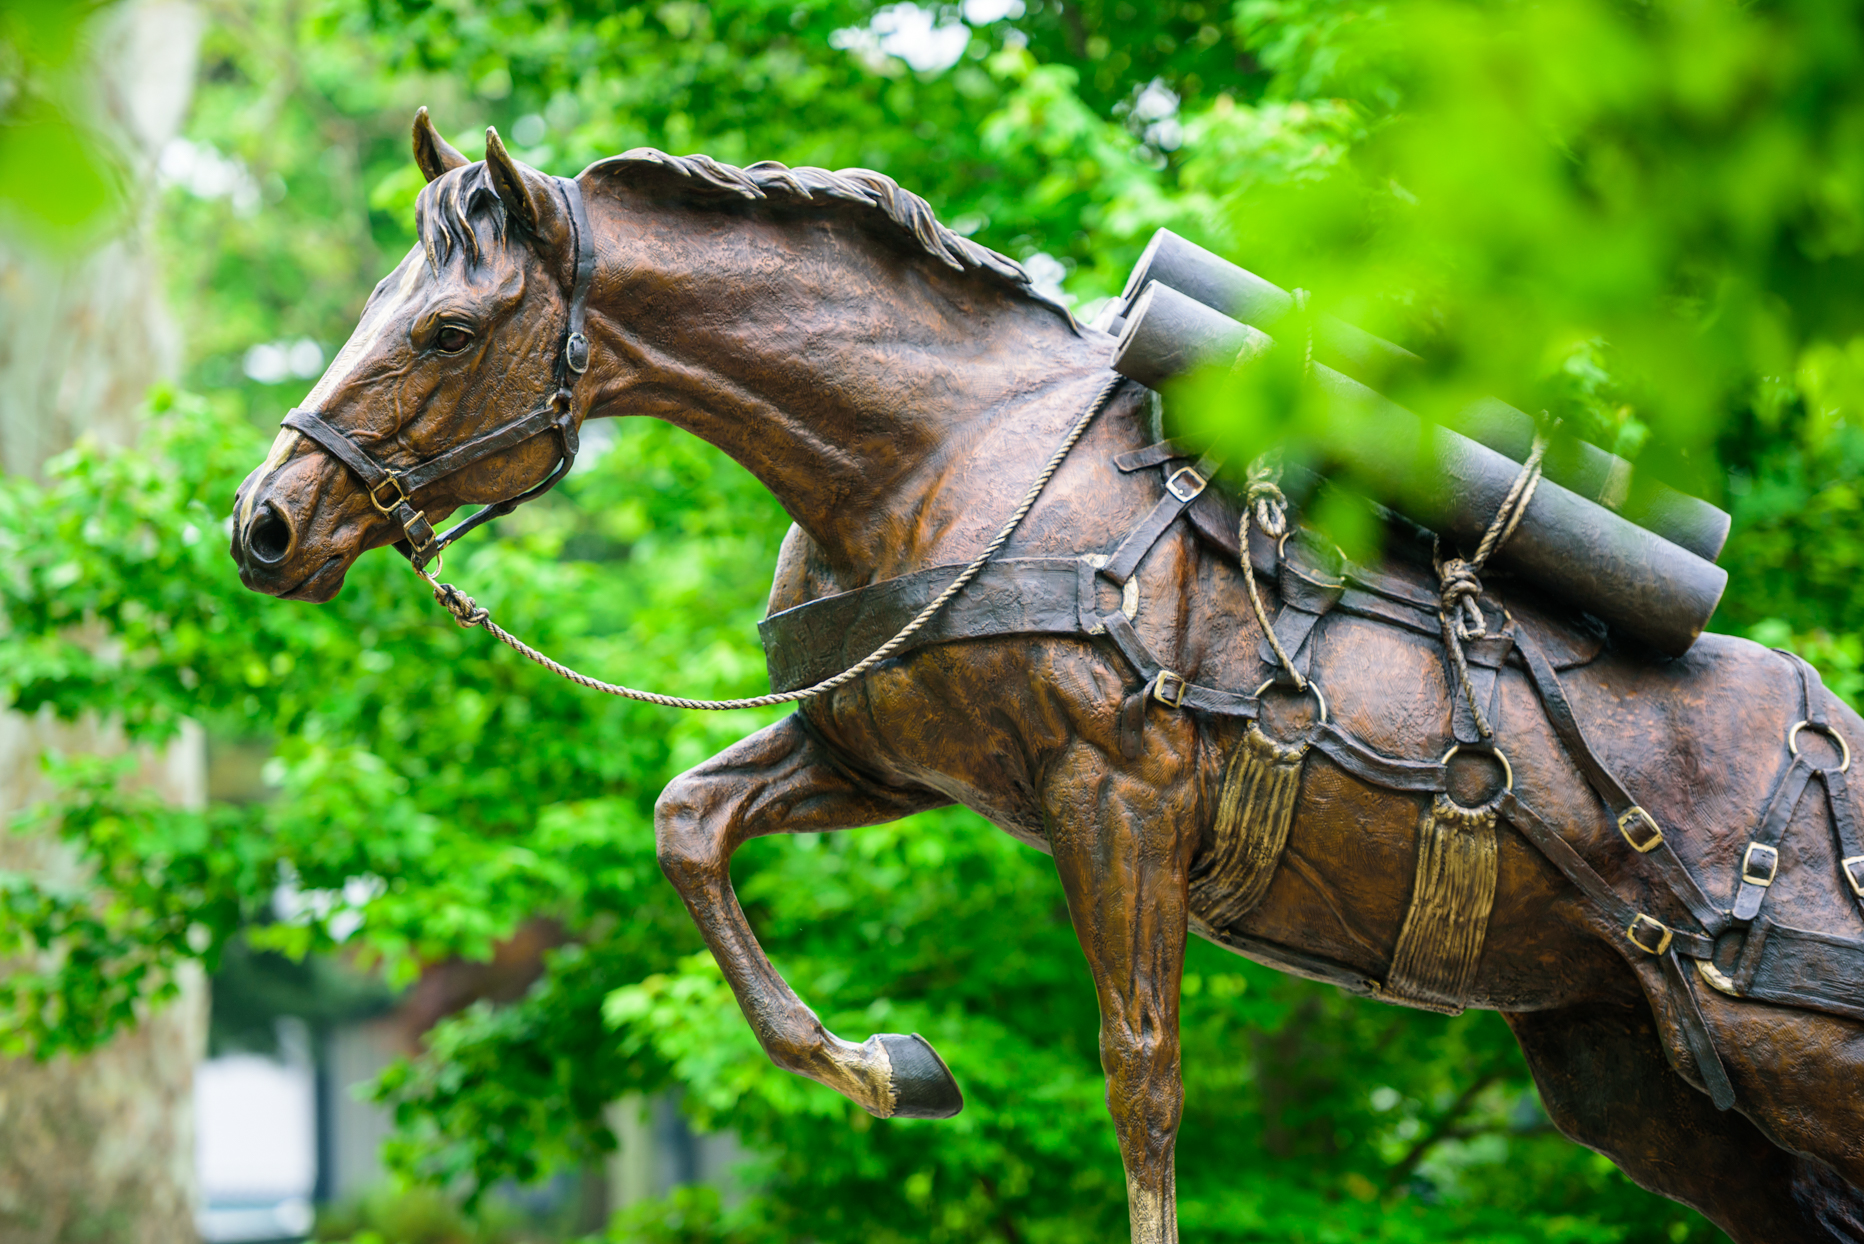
[
  {"x": 1144, "y": 1080},
  {"x": 684, "y": 843}
]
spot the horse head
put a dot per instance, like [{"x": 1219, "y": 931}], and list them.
[{"x": 419, "y": 413}]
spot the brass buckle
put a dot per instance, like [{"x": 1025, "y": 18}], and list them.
[
  {"x": 1844, "y": 748},
  {"x": 1771, "y": 862},
  {"x": 1159, "y": 684},
  {"x": 388, "y": 507},
  {"x": 1850, "y": 866},
  {"x": 1644, "y": 924},
  {"x": 1187, "y": 492},
  {"x": 1634, "y": 816}
]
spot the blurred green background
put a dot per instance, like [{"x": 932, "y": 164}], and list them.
[{"x": 1644, "y": 217}]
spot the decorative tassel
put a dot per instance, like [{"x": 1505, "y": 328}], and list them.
[
  {"x": 1254, "y": 810},
  {"x": 1451, "y": 899}
]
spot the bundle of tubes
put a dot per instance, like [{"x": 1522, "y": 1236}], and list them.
[{"x": 1641, "y": 559}]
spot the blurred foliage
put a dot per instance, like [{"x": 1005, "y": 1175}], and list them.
[
  {"x": 1644, "y": 218},
  {"x": 58, "y": 174}
]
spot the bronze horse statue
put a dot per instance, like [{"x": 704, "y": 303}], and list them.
[{"x": 896, "y": 386}]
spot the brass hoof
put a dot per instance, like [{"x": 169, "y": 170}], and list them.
[{"x": 922, "y": 1084}]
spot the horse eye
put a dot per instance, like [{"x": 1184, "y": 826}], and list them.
[{"x": 451, "y": 339}]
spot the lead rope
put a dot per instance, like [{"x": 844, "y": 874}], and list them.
[
  {"x": 1458, "y": 612},
  {"x": 469, "y": 613}
]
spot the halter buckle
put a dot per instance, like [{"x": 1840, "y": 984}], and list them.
[
  {"x": 1166, "y": 679},
  {"x": 1186, "y": 484},
  {"x": 1760, "y": 856},
  {"x": 1853, "y": 868},
  {"x": 576, "y": 353},
  {"x": 400, "y": 499},
  {"x": 1634, "y": 822},
  {"x": 1652, "y": 929}
]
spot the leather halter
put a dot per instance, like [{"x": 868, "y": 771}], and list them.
[{"x": 391, "y": 490}]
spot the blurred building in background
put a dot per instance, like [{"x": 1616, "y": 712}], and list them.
[{"x": 286, "y": 1128}]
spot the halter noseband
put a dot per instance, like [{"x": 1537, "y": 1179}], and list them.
[{"x": 392, "y": 491}]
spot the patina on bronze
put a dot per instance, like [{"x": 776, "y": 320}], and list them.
[{"x": 898, "y": 387}]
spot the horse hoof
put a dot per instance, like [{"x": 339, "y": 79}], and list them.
[{"x": 922, "y": 1084}]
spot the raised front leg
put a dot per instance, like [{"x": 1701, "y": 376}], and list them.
[
  {"x": 1122, "y": 845},
  {"x": 780, "y": 780}
]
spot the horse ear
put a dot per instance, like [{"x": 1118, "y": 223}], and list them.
[
  {"x": 433, "y": 153},
  {"x": 513, "y": 181}
]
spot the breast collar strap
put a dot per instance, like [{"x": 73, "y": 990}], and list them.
[{"x": 391, "y": 490}]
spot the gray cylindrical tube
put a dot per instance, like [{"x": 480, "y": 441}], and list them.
[
  {"x": 1602, "y": 477},
  {"x": 1578, "y": 551},
  {"x": 1586, "y": 469},
  {"x": 1242, "y": 295}
]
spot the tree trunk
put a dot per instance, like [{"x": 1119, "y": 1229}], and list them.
[{"x": 99, "y": 1149}]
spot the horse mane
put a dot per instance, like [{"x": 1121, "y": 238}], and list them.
[{"x": 444, "y": 211}]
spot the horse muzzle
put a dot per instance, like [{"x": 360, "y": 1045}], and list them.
[{"x": 268, "y": 546}]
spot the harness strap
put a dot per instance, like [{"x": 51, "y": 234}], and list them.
[
  {"x": 1696, "y": 1032},
  {"x": 1760, "y": 862},
  {"x": 1182, "y": 487},
  {"x": 1360, "y": 761},
  {"x": 1637, "y": 826},
  {"x": 375, "y": 477},
  {"x": 1154, "y": 455},
  {"x": 1305, "y": 600},
  {"x": 1845, "y": 829},
  {"x": 1165, "y": 686},
  {"x": 419, "y": 543},
  {"x": 1645, "y": 932}
]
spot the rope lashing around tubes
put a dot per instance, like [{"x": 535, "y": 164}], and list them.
[
  {"x": 1461, "y": 578},
  {"x": 469, "y": 613}
]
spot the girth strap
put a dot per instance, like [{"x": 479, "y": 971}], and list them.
[{"x": 392, "y": 490}]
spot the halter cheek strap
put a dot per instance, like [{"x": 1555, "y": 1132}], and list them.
[{"x": 391, "y": 490}]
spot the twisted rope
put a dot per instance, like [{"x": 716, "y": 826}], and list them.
[
  {"x": 1266, "y": 507},
  {"x": 1461, "y": 582},
  {"x": 469, "y": 613}
]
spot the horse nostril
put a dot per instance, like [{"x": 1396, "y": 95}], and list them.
[{"x": 268, "y": 539}]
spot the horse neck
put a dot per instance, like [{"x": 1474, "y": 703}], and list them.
[{"x": 853, "y": 376}]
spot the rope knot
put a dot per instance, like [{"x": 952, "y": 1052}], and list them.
[
  {"x": 465, "y": 610},
  {"x": 1462, "y": 585},
  {"x": 1264, "y": 497}
]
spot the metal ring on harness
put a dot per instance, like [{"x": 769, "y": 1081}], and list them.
[
  {"x": 1844, "y": 748},
  {"x": 1319, "y": 699},
  {"x": 1281, "y": 556},
  {"x": 1498, "y": 753},
  {"x": 1507, "y": 774}
]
